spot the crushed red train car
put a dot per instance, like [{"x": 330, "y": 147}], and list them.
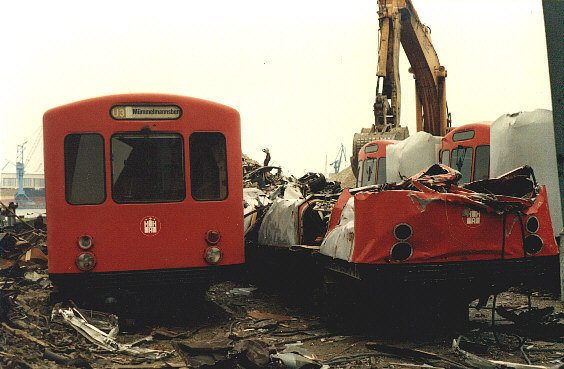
[
  {"x": 496, "y": 221},
  {"x": 423, "y": 244},
  {"x": 447, "y": 245},
  {"x": 143, "y": 189}
]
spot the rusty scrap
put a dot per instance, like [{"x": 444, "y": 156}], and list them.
[
  {"x": 25, "y": 335},
  {"x": 10, "y": 211},
  {"x": 474, "y": 361},
  {"x": 60, "y": 359},
  {"x": 414, "y": 354},
  {"x": 260, "y": 315}
]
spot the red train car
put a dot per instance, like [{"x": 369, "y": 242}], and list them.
[
  {"x": 436, "y": 244},
  {"x": 429, "y": 236},
  {"x": 143, "y": 189},
  {"x": 372, "y": 163},
  {"x": 467, "y": 149}
]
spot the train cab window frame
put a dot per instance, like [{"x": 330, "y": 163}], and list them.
[
  {"x": 208, "y": 166},
  {"x": 481, "y": 171},
  {"x": 371, "y": 149},
  {"x": 465, "y": 154},
  {"x": 369, "y": 172},
  {"x": 445, "y": 160},
  {"x": 359, "y": 176},
  {"x": 463, "y": 135},
  {"x": 147, "y": 167},
  {"x": 381, "y": 177},
  {"x": 85, "y": 168}
]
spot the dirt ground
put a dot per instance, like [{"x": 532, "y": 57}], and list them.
[{"x": 268, "y": 320}]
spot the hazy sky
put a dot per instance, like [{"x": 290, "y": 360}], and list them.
[{"x": 301, "y": 73}]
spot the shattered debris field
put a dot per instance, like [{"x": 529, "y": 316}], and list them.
[
  {"x": 280, "y": 315},
  {"x": 238, "y": 325}
]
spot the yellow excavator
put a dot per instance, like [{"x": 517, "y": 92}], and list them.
[{"x": 399, "y": 23}]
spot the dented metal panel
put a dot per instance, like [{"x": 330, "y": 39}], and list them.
[{"x": 448, "y": 223}]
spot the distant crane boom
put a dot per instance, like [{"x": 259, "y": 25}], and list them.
[
  {"x": 6, "y": 164},
  {"x": 340, "y": 156},
  {"x": 21, "y": 196},
  {"x": 30, "y": 153}
]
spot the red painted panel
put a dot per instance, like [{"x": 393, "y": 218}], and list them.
[
  {"x": 119, "y": 241},
  {"x": 444, "y": 229}
]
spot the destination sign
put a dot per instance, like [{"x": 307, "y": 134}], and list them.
[{"x": 145, "y": 112}]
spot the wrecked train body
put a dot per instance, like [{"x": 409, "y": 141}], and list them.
[
  {"x": 485, "y": 236},
  {"x": 425, "y": 235}
]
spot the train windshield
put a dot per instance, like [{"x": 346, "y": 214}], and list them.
[
  {"x": 482, "y": 163},
  {"x": 84, "y": 169},
  {"x": 147, "y": 167},
  {"x": 360, "y": 171},
  {"x": 445, "y": 157},
  {"x": 381, "y": 170},
  {"x": 462, "y": 161},
  {"x": 208, "y": 166},
  {"x": 369, "y": 172}
]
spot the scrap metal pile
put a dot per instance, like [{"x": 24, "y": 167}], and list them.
[
  {"x": 265, "y": 184},
  {"x": 245, "y": 327},
  {"x": 279, "y": 203}
]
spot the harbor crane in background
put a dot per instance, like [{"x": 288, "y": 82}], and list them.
[
  {"x": 6, "y": 163},
  {"x": 399, "y": 23},
  {"x": 21, "y": 196},
  {"x": 21, "y": 164},
  {"x": 341, "y": 155},
  {"x": 38, "y": 135}
]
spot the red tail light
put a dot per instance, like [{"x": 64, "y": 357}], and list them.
[
  {"x": 85, "y": 242},
  {"x": 213, "y": 237}
]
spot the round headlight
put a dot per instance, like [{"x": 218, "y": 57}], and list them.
[
  {"x": 213, "y": 236},
  {"x": 403, "y": 231},
  {"x": 86, "y": 261},
  {"x": 533, "y": 244},
  {"x": 85, "y": 242},
  {"x": 401, "y": 251},
  {"x": 213, "y": 255},
  {"x": 532, "y": 224}
]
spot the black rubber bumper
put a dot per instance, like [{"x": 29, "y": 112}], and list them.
[
  {"x": 484, "y": 275},
  {"x": 195, "y": 277}
]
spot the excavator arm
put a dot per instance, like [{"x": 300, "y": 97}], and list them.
[
  {"x": 400, "y": 24},
  {"x": 429, "y": 74},
  {"x": 388, "y": 91}
]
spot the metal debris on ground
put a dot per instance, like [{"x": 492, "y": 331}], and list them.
[
  {"x": 474, "y": 361},
  {"x": 260, "y": 315},
  {"x": 107, "y": 341},
  {"x": 252, "y": 353},
  {"x": 205, "y": 354},
  {"x": 295, "y": 357},
  {"x": 242, "y": 291},
  {"x": 248, "y": 353},
  {"x": 535, "y": 322},
  {"x": 23, "y": 243},
  {"x": 260, "y": 321},
  {"x": 415, "y": 354},
  {"x": 79, "y": 362}
]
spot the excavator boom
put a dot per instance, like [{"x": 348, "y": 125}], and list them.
[
  {"x": 400, "y": 24},
  {"x": 429, "y": 74}
]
